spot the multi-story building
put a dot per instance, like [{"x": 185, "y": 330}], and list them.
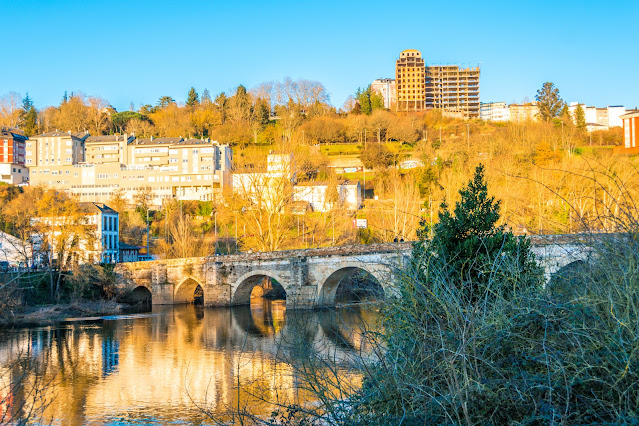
[
  {"x": 520, "y": 113},
  {"x": 494, "y": 111},
  {"x": 630, "y": 133},
  {"x": 12, "y": 157},
  {"x": 55, "y": 148},
  {"x": 324, "y": 196},
  {"x": 454, "y": 89},
  {"x": 599, "y": 118},
  {"x": 94, "y": 232},
  {"x": 387, "y": 88},
  {"x": 157, "y": 168},
  {"x": 410, "y": 72}
]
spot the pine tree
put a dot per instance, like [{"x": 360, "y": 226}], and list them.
[
  {"x": 549, "y": 102},
  {"x": 206, "y": 97},
  {"x": 192, "y": 98},
  {"x": 468, "y": 244},
  {"x": 65, "y": 98},
  {"x": 580, "y": 117},
  {"x": 28, "y": 117}
]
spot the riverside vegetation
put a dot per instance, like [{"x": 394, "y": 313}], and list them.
[{"x": 475, "y": 336}]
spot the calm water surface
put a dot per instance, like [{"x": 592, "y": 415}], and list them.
[{"x": 153, "y": 367}]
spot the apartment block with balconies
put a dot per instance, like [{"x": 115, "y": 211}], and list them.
[{"x": 452, "y": 89}]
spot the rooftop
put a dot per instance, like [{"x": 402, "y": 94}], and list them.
[
  {"x": 91, "y": 207},
  {"x": 110, "y": 138},
  {"x": 57, "y": 133}
]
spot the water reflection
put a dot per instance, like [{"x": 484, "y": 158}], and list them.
[{"x": 150, "y": 368}]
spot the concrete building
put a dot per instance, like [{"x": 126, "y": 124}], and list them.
[
  {"x": 410, "y": 73},
  {"x": 387, "y": 88},
  {"x": 630, "y": 133},
  {"x": 12, "y": 157},
  {"x": 55, "y": 148},
  {"x": 15, "y": 251},
  {"x": 494, "y": 111},
  {"x": 96, "y": 229},
  {"x": 129, "y": 253},
  {"x": 453, "y": 89},
  {"x": 520, "y": 113},
  {"x": 163, "y": 168},
  {"x": 599, "y": 118},
  {"x": 325, "y": 196}
]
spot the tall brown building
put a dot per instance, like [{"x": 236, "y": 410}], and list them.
[
  {"x": 409, "y": 75},
  {"x": 450, "y": 88}
]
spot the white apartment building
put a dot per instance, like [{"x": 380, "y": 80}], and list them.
[
  {"x": 14, "y": 250},
  {"x": 599, "y": 118},
  {"x": 163, "y": 168},
  {"x": 494, "y": 111},
  {"x": 325, "y": 196},
  {"x": 97, "y": 229},
  {"x": 387, "y": 87}
]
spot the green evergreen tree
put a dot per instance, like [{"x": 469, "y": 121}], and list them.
[
  {"x": 549, "y": 102},
  {"x": 165, "y": 101},
  {"x": 377, "y": 101},
  {"x": 364, "y": 100},
  {"x": 468, "y": 244},
  {"x": 192, "y": 99},
  {"x": 580, "y": 117},
  {"x": 28, "y": 117},
  {"x": 65, "y": 98}
]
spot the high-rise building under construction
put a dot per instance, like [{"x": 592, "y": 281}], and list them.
[{"x": 450, "y": 88}]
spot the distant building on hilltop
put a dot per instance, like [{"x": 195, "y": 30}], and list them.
[
  {"x": 598, "y": 118},
  {"x": 494, "y": 111},
  {"x": 452, "y": 89},
  {"x": 521, "y": 113},
  {"x": 410, "y": 74},
  {"x": 449, "y": 87},
  {"x": 12, "y": 157},
  {"x": 387, "y": 88}
]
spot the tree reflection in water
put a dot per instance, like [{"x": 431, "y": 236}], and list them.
[{"x": 150, "y": 368}]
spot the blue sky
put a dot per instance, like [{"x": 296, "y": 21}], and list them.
[{"x": 134, "y": 52}]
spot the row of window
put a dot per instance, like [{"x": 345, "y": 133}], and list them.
[{"x": 109, "y": 223}]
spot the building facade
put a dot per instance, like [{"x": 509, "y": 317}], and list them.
[
  {"x": 599, "y": 118},
  {"x": 387, "y": 88},
  {"x": 450, "y": 88},
  {"x": 494, "y": 111},
  {"x": 521, "y": 113},
  {"x": 325, "y": 196},
  {"x": 630, "y": 133},
  {"x": 453, "y": 89},
  {"x": 157, "y": 168},
  {"x": 12, "y": 157},
  {"x": 410, "y": 72},
  {"x": 92, "y": 235}
]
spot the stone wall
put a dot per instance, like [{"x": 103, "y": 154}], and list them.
[{"x": 309, "y": 277}]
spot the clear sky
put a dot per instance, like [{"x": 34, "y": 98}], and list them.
[{"x": 136, "y": 51}]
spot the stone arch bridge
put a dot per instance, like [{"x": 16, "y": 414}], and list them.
[{"x": 310, "y": 277}]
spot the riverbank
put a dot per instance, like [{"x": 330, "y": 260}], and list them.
[{"x": 50, "y": 314}]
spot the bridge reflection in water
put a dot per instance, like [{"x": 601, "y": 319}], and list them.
[{"x": 146, "y": 368}]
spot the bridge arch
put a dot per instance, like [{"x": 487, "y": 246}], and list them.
[
  {"x": 188, "y": 291},
  {"x": 329, "y": 283},
  {"x": 245, "y": 284},
  {"x": 140, "y": 295}
]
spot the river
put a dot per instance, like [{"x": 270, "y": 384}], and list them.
[{"x": 175, "y": 364}]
